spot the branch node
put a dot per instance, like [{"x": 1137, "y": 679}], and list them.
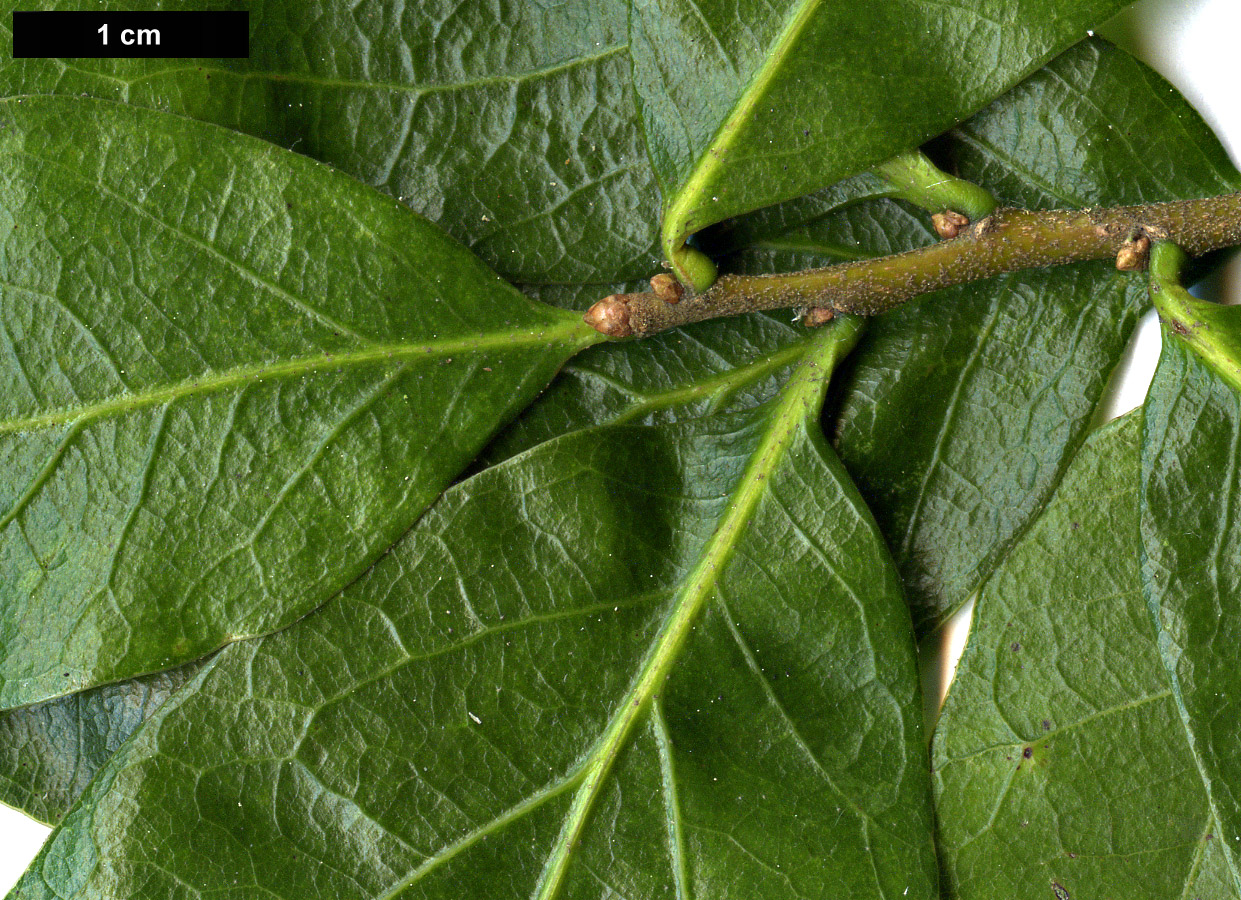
[
  {"x": 819, "y": 315},
  {"x": 1005, "y": 241},
  {"x": 610, "y": 316},
  {"x": 1133, "y": 254},
  {"x": 985, "y": 226},
  {"x": 949, "y": 223},
  {"x": 667, "y": 288}
]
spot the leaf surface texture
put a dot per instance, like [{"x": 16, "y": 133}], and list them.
[
  {"x": 50, "y": 751},
  {"x": 1190, "y": 549},
  {"x": 513, "y": 125},
  {"x": 965, "y": 407},
  {"x": 750, "y": 102},
  {"x": 229, "y": 379},
  {"x": 643, "y": 661},
  {"x": 1061, "y": 755}
]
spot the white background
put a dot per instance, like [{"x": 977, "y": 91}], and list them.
[{"x": 1194, "y": 44}]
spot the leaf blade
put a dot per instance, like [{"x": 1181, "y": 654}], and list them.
[
  {"x": 1189, "y": 446},
  {"x": 150, "y": 358},
  {"x": 527, "y": 727},
  {"x": 512, "y": 126},
  {"x": 49, "y": 752},
  {"x": 1061, "y": 732},
  {"x": 956, "y": 432},
  {"x": 733, "y": 97},
  {"x": 1095, "y": 127}
]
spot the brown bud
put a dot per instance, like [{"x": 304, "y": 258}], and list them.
[
  {"x": 819, "y": 315},
  {"x": 1133, "y": 254},
  {"x": 667, "y": 288},
  {"x": 610, "y": 316},
  {"x": 949, "y": 223}
]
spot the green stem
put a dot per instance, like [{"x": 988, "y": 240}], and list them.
[
  {"x": 1212, "y": 331},
  {"x": 1008, "y": 241},
  {"x": 917, "y": 180}
]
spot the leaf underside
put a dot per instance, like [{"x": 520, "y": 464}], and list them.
[
  {"x": 957, "y": 434},
  {"x": 1061, "y": 754},
  {"x": 627, "y": 613},
  {"x": 1190, "y": 543},
  {"x": 229, "y": 379},
  {"x": 49, "y": 752},
  {"x": 631, "y": 661},
  {"x": 748, "y": 103}
]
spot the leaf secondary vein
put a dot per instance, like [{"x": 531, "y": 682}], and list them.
[
  {"x": 718, "y": 387},
  {"x": 531, "y": 803},
  {"x": 202, "y": 245}
]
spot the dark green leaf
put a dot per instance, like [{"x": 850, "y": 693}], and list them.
[
  {"x": 956, "y": 415},
  {"x": 1191, "y": 544},
  {"x": 749, "y": 103},
  {"x": 49, "y": 752},
  {"x": 711, "y": 368},
  {"x": 229, "y": 378},
  {"x": 1061, "y": 755},
  {"x": 513, "y": 125},
  {"x": 642, "y": 661},
  {"x": 963, "y": 408}
]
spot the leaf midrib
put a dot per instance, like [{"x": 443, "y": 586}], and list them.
[
  {"x": 800, "y": 400},
  {"x": 357, "y": 84},
  {"x": 571, "y": 332},
  {"x": 712, "y": 157}
]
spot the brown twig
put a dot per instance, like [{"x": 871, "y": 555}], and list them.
[{"x": 1009, "y": 240}]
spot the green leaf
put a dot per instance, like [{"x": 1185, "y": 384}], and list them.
[
  {"x": 717, "y": 367},
  {"x": 1061, "y": 756},
  {"x": 1190, "y": 545},
  {"x": 638, "y": 661},
  {"x": 749, "y": 103},
  {"x": 956, "y": 416},
  {"x": 962, "y": 409},
  {"x": 229, "y": 379},
  {"x": 49, "y": 752},
  {"x": 513, "y": 125}
]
